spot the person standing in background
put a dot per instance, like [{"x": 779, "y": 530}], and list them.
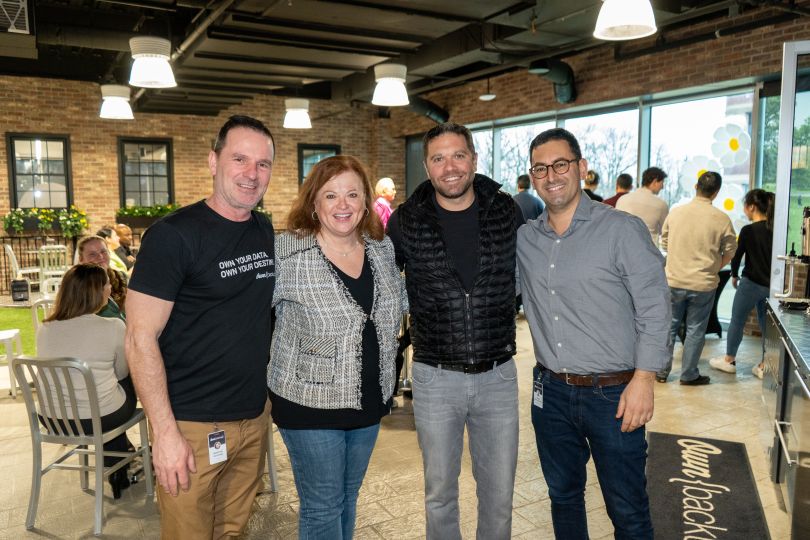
[
  {"x": 755, "y": 243},
  {"x": 645, "y": 202},
  {"x": 624, "y": 184},
  {"x": 386, "y": 193},
  {"x": 529, "y": 204},
  {"x": 124, "y": 249},
  {"x": 699, "y": 240}
]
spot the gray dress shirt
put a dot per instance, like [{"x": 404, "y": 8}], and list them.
[{"x": 596, "y": 297}]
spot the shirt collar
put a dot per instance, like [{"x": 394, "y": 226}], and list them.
[{"x": 582, "y": 213}]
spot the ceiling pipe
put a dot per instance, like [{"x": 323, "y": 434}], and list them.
[{"x": 189, "y": 41}]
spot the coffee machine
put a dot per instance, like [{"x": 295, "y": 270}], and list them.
[{"x": 791, "y": 299}]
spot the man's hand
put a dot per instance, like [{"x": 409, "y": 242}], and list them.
[
  {"x": 173, "y": 460},
  {"x": 636, "y": 404},
  {"x": 735, "y": 282}
]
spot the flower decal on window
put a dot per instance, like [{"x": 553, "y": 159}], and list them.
[
  {"x": 692, "y": 170},
  {"x": 730, "y": 197},
  {"x": 731, "y": 145}
]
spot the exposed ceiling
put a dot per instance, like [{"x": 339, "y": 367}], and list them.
[{"x": 226, "y": 51}]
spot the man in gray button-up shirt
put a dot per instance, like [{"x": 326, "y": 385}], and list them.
[{"x": 597, "y": 303}]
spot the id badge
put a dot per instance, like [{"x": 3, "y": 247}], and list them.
[
  {"x": 217, "y": 450},
  {"x": 537, "y": 399}
]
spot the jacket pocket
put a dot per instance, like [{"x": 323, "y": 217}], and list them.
[{"x": 316, "y": 360}]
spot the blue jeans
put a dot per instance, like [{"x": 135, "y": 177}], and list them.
[
  {"x": 698, "y": 307},
  {"x": 444, "y": 402},
  {"x": 748, "y": 295},
  {"x": 328, "y": 466},
  {"x": 577, "y": 422}
]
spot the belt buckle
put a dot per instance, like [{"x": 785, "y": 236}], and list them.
[{"x": 567, "y": 381}]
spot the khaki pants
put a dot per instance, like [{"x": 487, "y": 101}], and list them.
[{"x": 218, "y": 502}]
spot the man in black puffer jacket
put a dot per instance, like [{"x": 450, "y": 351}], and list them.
[{"x": 455, "y": 238}]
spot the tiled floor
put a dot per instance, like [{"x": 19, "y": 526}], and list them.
[{"x": 391, "y": 500}]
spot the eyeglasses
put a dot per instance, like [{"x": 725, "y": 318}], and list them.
[{"x": 560, "y": 166}]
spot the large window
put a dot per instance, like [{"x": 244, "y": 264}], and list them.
[
  {"x": 609, "y": 142},
  {"x": 689, "y": 138},
  {"x": 146, "y": 171},
  {"x": 503, "y": 153},
  {"x": 39, "y": 170}
]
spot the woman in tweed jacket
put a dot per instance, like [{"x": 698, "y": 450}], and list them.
[{"x": 339, "y": 300}]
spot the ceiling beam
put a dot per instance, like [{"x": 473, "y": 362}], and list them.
[
  {"x": 245, "y": 35},
  {"x": 192, "y": 71},
  {"x": 274, "y": 61},
  {"x": 330, "y": 28},
  {"x": 438, "y": 15}
]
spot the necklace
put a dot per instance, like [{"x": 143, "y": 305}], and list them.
[{"x": 342, "y": 253}]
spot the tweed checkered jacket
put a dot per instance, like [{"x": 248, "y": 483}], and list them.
[{"x": 316, "y": 354}]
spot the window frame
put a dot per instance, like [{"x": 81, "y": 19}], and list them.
[
  {"x": 121, "y": 141},
  {"x": 64, "y": 138},
  {"x": 335, "y": 148}
]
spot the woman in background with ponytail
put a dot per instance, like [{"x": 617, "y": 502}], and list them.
[{"x": 755, "y": 242}]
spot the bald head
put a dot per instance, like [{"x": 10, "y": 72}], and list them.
[{"x": 385, "y": 188}]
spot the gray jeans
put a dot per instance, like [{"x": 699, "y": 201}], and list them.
[{"x": 444, "y": 402}]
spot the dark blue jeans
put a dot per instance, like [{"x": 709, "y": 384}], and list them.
[
  {"x": 328, "y": 466},
  {"x": 575, "y": 423}
]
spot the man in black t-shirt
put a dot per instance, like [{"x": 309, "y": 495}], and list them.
[
  {"x": 198, "y": 335},
  {"x": 455, "y": 238}
]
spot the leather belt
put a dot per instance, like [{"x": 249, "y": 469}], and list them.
[
  {"x": 594, "y": 379},
  {"x": 480, "y": 367}
]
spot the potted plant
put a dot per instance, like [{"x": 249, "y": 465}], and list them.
[
  {"x": 72, "y": 221},
  {"x": 141, "y": 217},
  {"x": 44, "y": 220}
]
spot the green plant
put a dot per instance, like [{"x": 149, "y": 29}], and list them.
[
  {"x": 157, "y": 210},
  {"x": 14, "y": 220},
  {"x": 45, "y": 218},
  {"x": 73, "y": 221}
]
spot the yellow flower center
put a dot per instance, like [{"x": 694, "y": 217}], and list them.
[
  {"x": 728, "y": 204},
  {"x": 734, "y": 144},
  {"x": 700, "y": 172}
]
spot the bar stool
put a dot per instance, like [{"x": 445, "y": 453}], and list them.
[{"x": 9, "y": 338}]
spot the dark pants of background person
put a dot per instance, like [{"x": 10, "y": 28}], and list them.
[
  {"x": 574, "y": 423},
  {"x": 111, "y": 421}
]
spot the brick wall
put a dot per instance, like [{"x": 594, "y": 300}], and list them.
[{"x": 68, "y": 107}]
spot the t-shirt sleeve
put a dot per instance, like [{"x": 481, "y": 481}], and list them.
[{"x": 160, "y": 268}]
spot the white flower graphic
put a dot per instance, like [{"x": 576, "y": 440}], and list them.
[
  {"x": 730, "y": 197},
  {"x": 694, "y": 168},
  {"x": 731, "y": 145}
]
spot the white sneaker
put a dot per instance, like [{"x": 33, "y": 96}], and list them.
[
  {"x": 719, "y": 363},
  {"x": 758, "y": 371}
]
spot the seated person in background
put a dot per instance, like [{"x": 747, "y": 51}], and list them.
[
  {"x": 93, "y": 250},
  {"x": 124, "y": 249},
  {"x": 386, "y": 193},
  {"x": 111, "y": 238},
  {"x": 624, "y": 184},
  {"x": 75, "y": 330}
]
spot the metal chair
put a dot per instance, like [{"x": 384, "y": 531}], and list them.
[
  {"x": 39, "y": 310},
  {"x": 50, "y": 286},
  {"x": 53, "y": 262},
  {"x": 53, "y": 379},
  {"x": 271, "y": 460},
  {"x": 28, "y": 272},
  {"x": 11, "y": 341}
]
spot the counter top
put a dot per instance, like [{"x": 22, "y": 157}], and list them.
[{"x": 795, "y": 326}]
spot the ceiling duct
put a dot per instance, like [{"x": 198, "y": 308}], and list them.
[
  {"x": 559, "y": 73},
  {"x": 429, "y": 109}
]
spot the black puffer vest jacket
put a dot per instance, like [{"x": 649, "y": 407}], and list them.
[{"x": 449, "y": 324}]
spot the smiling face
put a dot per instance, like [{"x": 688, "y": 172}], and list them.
[
  {"x": 340, "y": 204},
  {"x": 451, "y": 165},
  {"x": 241, "y": 172},
  {"x": 95, "y": 252},
  {"x": 560, "y": 192}
]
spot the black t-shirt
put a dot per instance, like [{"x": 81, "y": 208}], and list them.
[
  {"x": 290, "y": 415},
  {"x": 220, "y": 274},
  {"x": 755, "y": 242},
  {"x": 460, "y": 232}
]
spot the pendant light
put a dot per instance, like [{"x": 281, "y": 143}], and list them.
[
  {"x": 390, "y": 90},
  {"x": 115, "y": 102},
  {"x": 488, "y": 96},
  {"x": 151, "y": 68},
  {"x": 297, "y": 116},
  {"x": 621, "y": 20}
]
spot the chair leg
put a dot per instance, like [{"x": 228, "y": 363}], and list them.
[
  {"x": 99, "y": 466},
  {"x": 36, "y": 483},
  {"x": 84, "y": 474},
  {"x": 147, "y": 459}
]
